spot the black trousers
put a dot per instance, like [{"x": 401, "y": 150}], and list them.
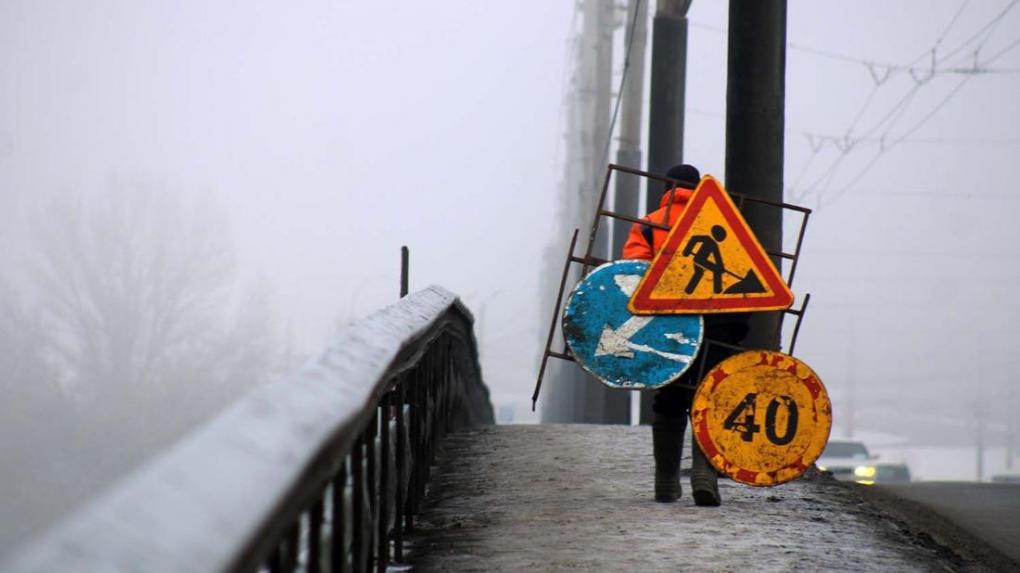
[{"x": 674, "y": 400}]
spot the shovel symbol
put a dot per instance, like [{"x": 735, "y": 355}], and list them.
[{"x": 747, "y": 284}]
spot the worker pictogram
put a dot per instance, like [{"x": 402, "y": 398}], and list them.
[
  {"x": 761, "y": 417},
  {"x": 618, "y": 348},
  {"x": 710, "y": 262}
]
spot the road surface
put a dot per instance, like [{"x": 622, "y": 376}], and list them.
[
  {"x": 579, "y": 498},
  {"x": 979, "y": 520}
]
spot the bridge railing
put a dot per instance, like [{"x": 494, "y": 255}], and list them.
[{"x": 323, "y": 471}]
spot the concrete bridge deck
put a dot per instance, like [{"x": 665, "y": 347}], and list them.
[{"x": 578, "y": 498}]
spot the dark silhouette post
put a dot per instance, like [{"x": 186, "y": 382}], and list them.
[
  {"x": 628, "y": 152},
  {"x": 668, "y": 86},
  {"x": 666, "y": 108},
  {"x": 755, "y": 109},
  {"x": 405, "y": 258}
]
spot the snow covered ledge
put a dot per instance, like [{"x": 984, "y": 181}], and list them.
[{"x": 221, "y": 498}]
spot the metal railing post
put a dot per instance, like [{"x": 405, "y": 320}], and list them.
[
  {"x": 275, "y": 561},
  {"x": 382, "y": 531},
  {"x": 373, "y": 489},
  {"x": 315, "y": 518},
  {"x": 413, "y": 437},
  {"x": 398, "y": 503},
  {"x": 358, "y": 506},
  {"x": 291, "y": 545},
  {"x": 338, "y": 517}
]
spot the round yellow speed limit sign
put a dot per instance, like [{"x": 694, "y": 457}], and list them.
[{"x": 761, "y": 417}]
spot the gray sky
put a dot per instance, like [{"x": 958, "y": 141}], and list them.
[{"x": 333, "y": 132}]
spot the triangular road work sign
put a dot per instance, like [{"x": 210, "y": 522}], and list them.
[{"x": 711, "y": 262}]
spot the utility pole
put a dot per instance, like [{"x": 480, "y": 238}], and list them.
[
  {"x": 755, "y": 118},
  {"x": 573, "y": 395},
  {"x": 668, "y": 87},
  {"x": 666, "y": 108},
  {"x": 596, "y": 400},
  {"x": 628, "y": 153}
]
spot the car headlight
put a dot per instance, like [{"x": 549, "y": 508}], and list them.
[{"x": 864, "y": 471}]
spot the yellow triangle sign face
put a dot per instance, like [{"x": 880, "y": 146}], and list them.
[{"x": 711, "y": 262}]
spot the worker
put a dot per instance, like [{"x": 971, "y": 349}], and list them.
[{"x": 672, "y": 403}]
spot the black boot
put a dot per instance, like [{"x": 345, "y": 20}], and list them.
[
  {"x": 667, "y": 442},
  {"x": 704, "y": 478}
]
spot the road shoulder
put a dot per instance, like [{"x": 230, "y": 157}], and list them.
[{"x": 963, "y": 550}]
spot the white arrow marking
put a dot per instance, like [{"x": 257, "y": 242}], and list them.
[
  {"x": 616, "y": 342},
  {"x": 679, "y": 337},
  {"x": 669, "y": 355},
  {"x": 627, "y": 283}
]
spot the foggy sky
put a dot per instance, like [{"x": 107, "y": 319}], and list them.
[{"x": 334, "y": 132}]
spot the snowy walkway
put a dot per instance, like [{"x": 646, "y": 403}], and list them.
[{"x": 578, "y": 498}]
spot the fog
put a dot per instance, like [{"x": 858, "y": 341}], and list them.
[{"x": 194, "y": 196}]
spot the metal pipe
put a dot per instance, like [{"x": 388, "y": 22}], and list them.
[{"x": 552, "y": 323}]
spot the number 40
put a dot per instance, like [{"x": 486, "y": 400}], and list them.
[{"x": 747, "y": 426}]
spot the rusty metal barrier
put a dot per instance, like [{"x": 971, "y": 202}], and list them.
[{"x": 323, "y": 471}]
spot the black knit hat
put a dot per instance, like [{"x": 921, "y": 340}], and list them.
[{"x": 686, "y": 175}]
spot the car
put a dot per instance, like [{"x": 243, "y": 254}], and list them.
[
  {"x": 891, "y": 473},
  {"x": 849, "y": 460}
]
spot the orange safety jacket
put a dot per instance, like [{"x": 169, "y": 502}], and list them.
[{"x": 643, "y": 242}]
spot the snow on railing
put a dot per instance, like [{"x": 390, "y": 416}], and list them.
[{"x": 321, "y": 471}]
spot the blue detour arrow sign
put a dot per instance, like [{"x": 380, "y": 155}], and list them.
[{"x": 621, "y": 349}]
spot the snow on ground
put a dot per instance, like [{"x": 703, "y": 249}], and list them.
[{"x": 579, "y": 498}]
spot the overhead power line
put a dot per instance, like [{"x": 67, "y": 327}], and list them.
[
  {"x": 880, "y": 133},
  {"x": 880, "y": 70},
  {"x": 888, "y": 122},
  {"x": 817, "y": 140}
]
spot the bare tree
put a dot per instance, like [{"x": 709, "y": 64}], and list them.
[
  {"x": 130, "y": 284},
  {"x": 36, "y": 425},
  {"x": 127, "y": 331},
  {"x": 141, "y": 320}
]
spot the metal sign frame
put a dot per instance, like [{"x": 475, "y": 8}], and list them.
[{"x": 587, "y": 260}]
